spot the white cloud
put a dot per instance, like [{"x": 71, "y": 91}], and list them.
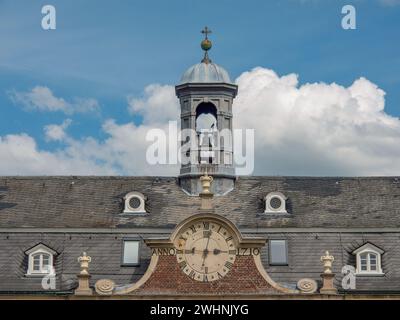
[
  {"x": 42, "y": 99},
  {"x": 19, "y": 155},
  {"x": 312, "y": 129},
  {"x": 55, "y": 132},
  {"x": 318, "y": 128},
  {"x": 158, "y": 105}
]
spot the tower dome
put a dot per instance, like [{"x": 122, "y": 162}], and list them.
[{"x": 205, "y": 72}]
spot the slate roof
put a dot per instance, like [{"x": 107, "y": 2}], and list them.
[
  {"x": 304, "y": 251},
  {"x": 351, "y": 204},
  {"x": 96, "y": 202}
]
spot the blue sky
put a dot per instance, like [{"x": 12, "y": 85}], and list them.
[{"x": 108, "y": 50}]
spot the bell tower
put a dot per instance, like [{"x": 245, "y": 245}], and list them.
[{"x": 206, "y": 94}]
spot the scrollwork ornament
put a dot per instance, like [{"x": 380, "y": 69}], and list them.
[
  {"x": 307, "y": 285},
  {"x": 105, "y": 287}
]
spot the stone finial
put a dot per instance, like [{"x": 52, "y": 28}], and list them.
[
  {"x": 327, "y": 260},
  {"x": 327, "y": 276},
  {"x": 84, "y": 276},
  {"x": 206, "y": 195},
  {"x": 206, "y": 181},
  {"x": 84, "y": 260}
]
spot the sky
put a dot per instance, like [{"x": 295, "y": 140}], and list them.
[{"x": 80, "y": 99}]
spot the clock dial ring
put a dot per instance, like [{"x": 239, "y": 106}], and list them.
[{"x": 206, "y": 250}]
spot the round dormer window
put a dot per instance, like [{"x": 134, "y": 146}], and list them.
[
  {"x": 134, "y": 202},
  {"x": 275, "y": 202}
]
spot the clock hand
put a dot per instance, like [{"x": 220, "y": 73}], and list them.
[
  {"x": 218, "y": 251},
  {"x": 205, "y": 253}
]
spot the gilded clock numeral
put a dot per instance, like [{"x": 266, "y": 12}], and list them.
[
  {"x": 192, "y": 274},
  {"x": 205, "y": 278},
  {"x": 206, "y": 225},
  {"x": 228, "y": 265}
]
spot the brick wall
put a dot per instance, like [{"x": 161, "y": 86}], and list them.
[{"x": 243, "y": 278}]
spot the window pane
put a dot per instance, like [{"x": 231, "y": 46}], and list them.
[
  {"x": 372, "y": 261},
  {"x": 131, "y": 252},
  {"x": 46, "y": 260},
  {"x": 363, "y": 256},
  {"x": 36, "y": 262},
  {"x": 278, "y": 252},
  {"x": 363, "y": 267}
]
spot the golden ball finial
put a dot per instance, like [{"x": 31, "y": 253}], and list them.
[{"x": 206, "y": 44}]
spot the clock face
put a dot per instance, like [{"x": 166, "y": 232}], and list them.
[{"x": 205, "y": 251}]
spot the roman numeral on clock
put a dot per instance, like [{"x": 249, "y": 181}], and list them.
[
  {"x": 192, "y": 274},
  {"x": 182, "y": 264},
  {"x": 205, "y": 278},
  {"x": 193, "y": 228},
  {"x": 229, "y": 238},
  {"x": 228, "y": 265},
  {"x": 206, "y": 225}
]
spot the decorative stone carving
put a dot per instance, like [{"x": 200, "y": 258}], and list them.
[
  {"x": 327, "y": 277},
  {"x": 327, "y": 260},
  {"x": 206, "y": 195},
  {"x": 105, "y": 287},
  {"x": 307, "y": 285},
  {"x": 206, "y": 183},
  {"x": 84, "y": 260},
  {"x": 84, "y": 276}
]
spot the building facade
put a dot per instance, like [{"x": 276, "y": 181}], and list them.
[{"x": 206, "y": 233}]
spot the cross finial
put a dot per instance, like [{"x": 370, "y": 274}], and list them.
[
  {"x": 206, "y": 44},
  {"x": 206, "y": 31}
]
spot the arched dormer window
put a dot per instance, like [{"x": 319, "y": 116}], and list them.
[
  {"x": 275, "y": 202},
  {"x": 134, "y": 203},
  {"x": 368, "y": 259},
  {"x": 40, "y": 260}
]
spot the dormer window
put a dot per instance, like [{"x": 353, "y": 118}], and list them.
[
  {"x": 368, "y": 259},
  {"x": 275, "y": 202},
  {"x": 40, "y": 260},
  {"x": 134, "y": 202}
]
